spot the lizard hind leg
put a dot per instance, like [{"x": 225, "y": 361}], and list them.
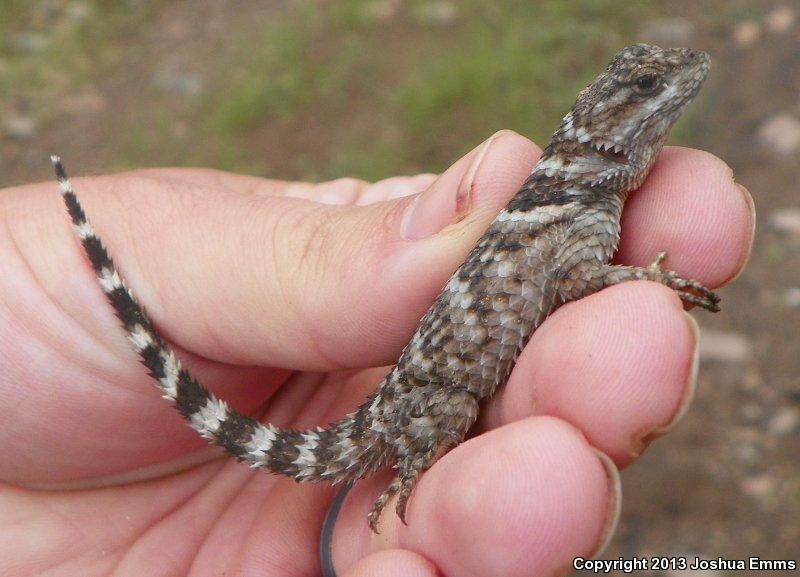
[
  {"x": 448, "y": 415},
  {"x": 409, "y": 472}
]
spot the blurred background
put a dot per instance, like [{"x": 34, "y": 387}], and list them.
[{"x": 373, "y": 88}]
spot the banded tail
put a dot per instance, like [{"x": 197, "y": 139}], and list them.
[{"x": 343, "y": 451}]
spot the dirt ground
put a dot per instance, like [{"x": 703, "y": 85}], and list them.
[{"x": 726, "y": 482}]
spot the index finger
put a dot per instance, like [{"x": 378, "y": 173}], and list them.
[{"x": 691, "y": 207}]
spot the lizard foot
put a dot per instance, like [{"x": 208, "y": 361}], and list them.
[
  {"x": 402, "y": 486},
  {"x": 689, "y": 291}
]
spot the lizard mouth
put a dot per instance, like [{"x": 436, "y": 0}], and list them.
[{"x": 610, "y": 150}]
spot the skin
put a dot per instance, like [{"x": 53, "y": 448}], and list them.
[{"x": 101, "y": 477}]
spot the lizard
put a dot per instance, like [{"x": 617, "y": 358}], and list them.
[{"x": 553, "y": 243}]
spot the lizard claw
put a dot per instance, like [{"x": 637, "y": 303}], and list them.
[
  {"x": 660, "y": 258},
  {"x": 710, "y": 303},
  {"x": 692, "y": 291},
  {"x": 372, "y": 519},
  {"x": 400, "y": 508}
]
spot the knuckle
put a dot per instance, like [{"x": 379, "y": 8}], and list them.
[{"x": 313, "y": 252}]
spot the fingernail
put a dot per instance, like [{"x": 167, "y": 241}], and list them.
[
  {"x": 614, "y": 503},
  {"x": 436, "y": 208},
  {"x": 688, "y": 393},
  {"x": 748, "y": 198}
]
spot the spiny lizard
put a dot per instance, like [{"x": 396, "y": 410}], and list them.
[{"x": 552, "y": 243}]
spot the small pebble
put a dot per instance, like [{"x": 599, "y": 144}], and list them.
[
  {"x": 780, "y": 19},
  {"x": 746, "y": 33},
  {"x": 786, "y": 221},
  {"x": 791, "y": 297},
  {"x": 20, "y": 127},
  {"x": 760, "y": 487},
  {"x": 784, "y": 422},
  {"x": 781, "y": 134},
  {"x": 724, "y": 346}
]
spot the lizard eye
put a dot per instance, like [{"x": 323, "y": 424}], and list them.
[{"x": 646, "y": 83}]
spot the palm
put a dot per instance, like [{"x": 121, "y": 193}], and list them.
[{"x": 124, "y": 487}]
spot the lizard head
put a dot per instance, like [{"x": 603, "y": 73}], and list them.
[{"x": 628, "y": 110}]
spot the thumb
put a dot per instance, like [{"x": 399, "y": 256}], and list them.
[{"x": 278, "y": 281}]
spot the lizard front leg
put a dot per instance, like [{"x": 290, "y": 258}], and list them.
[{"x": 689, "y": 291}]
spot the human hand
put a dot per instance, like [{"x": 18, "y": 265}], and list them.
[{"x": 247, "y": 280}]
